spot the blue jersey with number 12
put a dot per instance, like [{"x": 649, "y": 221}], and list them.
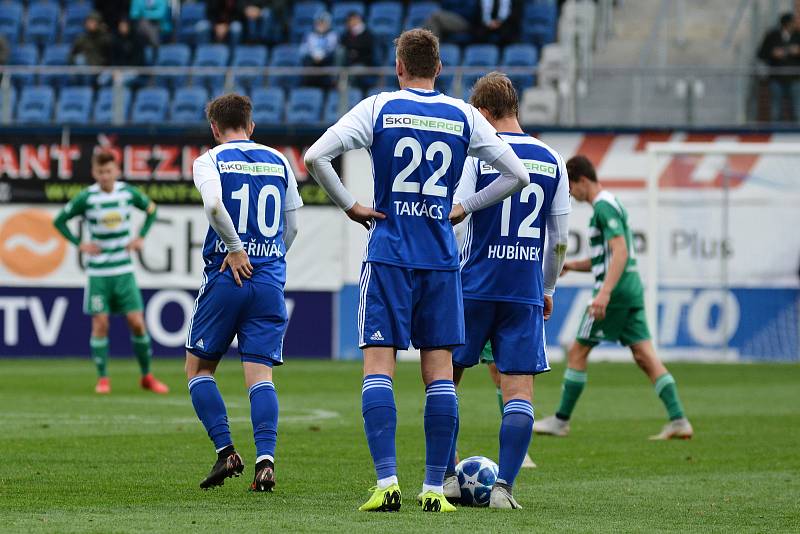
[{"x": 418, "y": 141}]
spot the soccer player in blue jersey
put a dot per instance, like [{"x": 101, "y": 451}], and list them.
[
  {"x": 243, "y": 280},
  {"x": 410, "y": 283},
  {"x": 509, "y": 274}
]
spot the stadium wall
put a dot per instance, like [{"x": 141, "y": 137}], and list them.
[{"x": 727, "y": 293}]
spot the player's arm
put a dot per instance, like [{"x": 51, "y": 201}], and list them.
[
  {"x": 613, "y": 233},
  {"x": 485, "y": 145},
  {"x": 557, "y": 238},
  {"x": 143, "y": 202},
  {"x": 207, "y": 181},
  {"x": 74, "y": 208},
  {"x": 292, "y": 203},
  {"x": 581, "y": 266},
  {"x": 353, "y": 131}
]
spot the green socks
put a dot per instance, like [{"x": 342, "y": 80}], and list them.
[
  {"x": 571, "y": 389},
  {"x": 500, "y": 400},
  {"x": 141, "y": 348},
  {"x": 667, "y": 391},
  {"x": 99, "y": 350}
]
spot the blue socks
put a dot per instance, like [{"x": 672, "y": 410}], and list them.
[
  {"x": 264, "y": 415},
  {"x": 451, "y": 462},
  {"x": 515, "y": 437},
  {"x": 441, "y": 416},
  {"x": 380, "y": 423},
  {"x": 210, "y": 409}
]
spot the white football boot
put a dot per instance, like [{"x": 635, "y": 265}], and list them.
[
  {"x": 452, "y": 489},
  {"x": 552, "y": 426},
  {"x": 502, "y": 498},
  {"x": 528, "y": 462},
  {"x": 676, "y": 429}
]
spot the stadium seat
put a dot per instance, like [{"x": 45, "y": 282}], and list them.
[
  {"x": 385, "y": 20},
  {"x": 418, "y": 13},
  {"x": 539, "y": 105},
  {"x": 42, "y": 23},
  {"x": 331, "y": 114},
  {"x": 211, "y": 55},
  {"x": 104, "y": 105},
  {"x": 466, "y": 8},
  {"x": 481, "y": 55},
  {"x": 304, "y": 106},
  {"x": 268, "y": 104},
  {"x": 10, "y": 20},
  {"x": 193, "y": 28},
  {"x": 249, "y": 56},
  {"x": 150, "y": 106},
  {"x": 172, "y": 55},
  {"x": 188, "y": 105},
  {"x": 36, "y": 104},
  {"x": 521, "y": 55},
  {"x": 302, "y": 21},
  {"x": 450, "y": 56},
  {"x": 55, "y": 55},
  {"x": 24, "y": 55},
  {"x": 539, "y": 20},
  {"x": 74, "y": 18},
  {"x": 340, "y": 11},
  {"x": 74, "y": 105},
  {"x": 285, "y": 55},
  {"x": 7, "y": 113}
]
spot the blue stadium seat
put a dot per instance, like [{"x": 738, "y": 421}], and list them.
[
  {"x": 268, "y": 104},
  {"x": 385, "y": 20},
  {"x": 150, "y": 106},
  {"x": 74, "y": 105},
  {"x": 249, "y": 56},
  {"x": 188, "y": 105},
  {"x": 10, "y": 20},
  {"x": 340, "y": 11},
  {"x": 418, "y": 13},
  {"x": 539, "y": 22},
  {"x": 211, "y": 55},
  {"x": 193, "y": 28},
  {"x": 172, "y": 55},
  {"x": 104, "y": 105},
  {"x": 331, "y": 114},
  {"x": 55, "y": 55},
  {"x": 222, "y": 90},
  {"x": 285, "y": 55},
  {"x": 450, "y": 55},
  {"x": 74, "y": 17},
  {"x": 36, "y": 104},
  {"x": 302, "y": 21},
  {"x": 480, "y": 55},
  {"x": 521, "y": 55},
  {"x": 304, "y": 106},
  {"x": 42, "y": 23},
  {"x": 24, "y": 55}
]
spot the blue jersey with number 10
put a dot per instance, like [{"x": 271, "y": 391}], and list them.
[
  {"x": 258, "y": 185},
  {"x": 418, "y": 141},
  {"x": 503, "y": 250}
]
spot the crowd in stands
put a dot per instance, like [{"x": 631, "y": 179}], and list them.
[
  {"x": 261, "y": 33},
  {"x": 780, "y": 50}
]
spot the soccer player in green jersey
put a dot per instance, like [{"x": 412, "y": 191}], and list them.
[
  {"x": 106, "y": 207},
  {"x": 616, "y": 312}
]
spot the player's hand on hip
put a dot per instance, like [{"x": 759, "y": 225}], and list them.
[
  {"x": 92, "y": 249},
  {"x": 565, "y": 269},
  {"x": 363, "y": 215},
  {"x": 548, "y": 307},
  {"x": 457, "y": 214},
  {"x": 239, "y": 264},
  {"x": 597, "y": 308},
  {"x": 136, "y": 243}
]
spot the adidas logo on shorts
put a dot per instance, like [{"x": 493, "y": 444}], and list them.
[
  {"x": 377, "y": 336},
  {"x": 201, "y": 344}
]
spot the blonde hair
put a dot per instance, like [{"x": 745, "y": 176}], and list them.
[{"x": 495, "y": 93}]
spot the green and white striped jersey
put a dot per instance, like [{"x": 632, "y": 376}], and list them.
[
  {"x": 610, "y": 219},
  {"x": 108, "y": 219}
]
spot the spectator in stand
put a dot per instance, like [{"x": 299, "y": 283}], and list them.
[
  {"x": 113, "y": 12},
  {"x": 319, "y": 47},
  {"x": 4, "y": 50},
  {"x": 127, "y": 47},
  {"x": 443, "y": 23},
  {"x": 92, "y": 46},
  {"x": 358, "y": 43},
  {"x": 225, "y": 19},
  {"x": 780, "y": 49},
  {"x": 152, "y": 19},
  {"x": 500, "y": 21}
]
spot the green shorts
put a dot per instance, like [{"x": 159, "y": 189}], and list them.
[
  {"x": 112, "y": 294},
  {"x": 486, "y": 354},
  {"x": 625, "y": 325}
]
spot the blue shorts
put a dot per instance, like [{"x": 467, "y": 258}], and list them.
[
  {"x": 255, "y": 313},
  {"x": 516, "y": 331},
  {"x": 401, "y": 306}
]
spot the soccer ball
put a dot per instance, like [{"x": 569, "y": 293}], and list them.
[{"x": 476, "y": 476}]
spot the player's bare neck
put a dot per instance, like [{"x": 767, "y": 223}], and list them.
[
  {"x": 423, "y": 84},
  {"x": 229, "y": 136},
  {"x": 108, "y": 187},
  {"x": 507, "y": 125},
  {"x": 594, "y": 190}
]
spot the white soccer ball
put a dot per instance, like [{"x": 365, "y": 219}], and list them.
[{"x": 476, "y": 476}]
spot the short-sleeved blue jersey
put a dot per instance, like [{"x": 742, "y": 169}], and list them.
[
  {"x": 258, "y": 185},
  {"x": 503, "y": 250},
  {"x": 418, "y": 141}
]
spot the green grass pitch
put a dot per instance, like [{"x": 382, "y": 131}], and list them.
[{"x": 131, "y": 462}]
